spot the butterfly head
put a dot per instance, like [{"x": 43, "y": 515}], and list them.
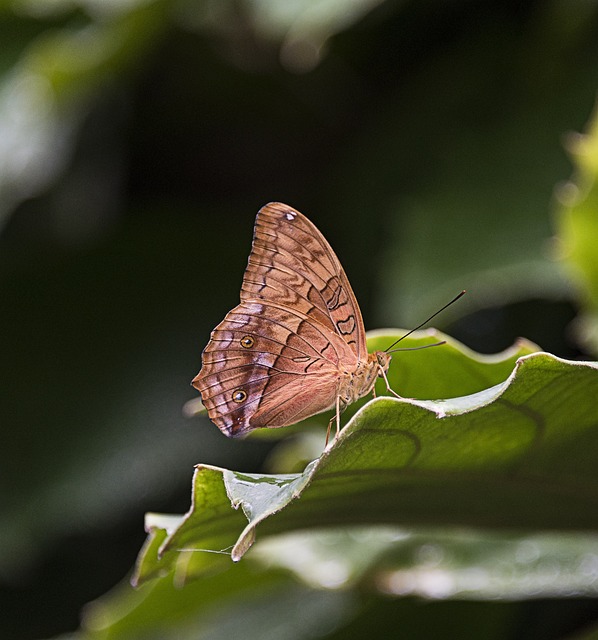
[
  {"x": 382, "y": 359},
  {"x": 377, "y": 365}
]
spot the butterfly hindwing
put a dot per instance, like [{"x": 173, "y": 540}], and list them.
[{"x": 266, "y": 365}]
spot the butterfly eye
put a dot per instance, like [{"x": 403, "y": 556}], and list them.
[
  {"x": 247, "y": 342},
  {"x": 239, "y": 396}
]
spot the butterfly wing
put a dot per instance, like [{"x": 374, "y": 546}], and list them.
[{"x": 276, "y": 358}]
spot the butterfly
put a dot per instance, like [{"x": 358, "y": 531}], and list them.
[{"x": 296, "y": 344}]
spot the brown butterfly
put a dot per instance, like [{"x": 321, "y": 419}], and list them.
[{"x": 296, "y": 344}]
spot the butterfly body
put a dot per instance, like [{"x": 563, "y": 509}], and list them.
[
  {"x": 295, "y": 346},
  {"x": 356, "y": 383}
]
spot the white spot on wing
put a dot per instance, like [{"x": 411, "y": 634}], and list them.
[{"x": 290, "y": 215}]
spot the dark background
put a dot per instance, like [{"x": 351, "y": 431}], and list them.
[{"x": 424, "y": 139}]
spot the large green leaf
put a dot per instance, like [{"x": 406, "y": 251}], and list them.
[
  {"x": 518, "y": 455},
  {"x": 437, "y": 564}
]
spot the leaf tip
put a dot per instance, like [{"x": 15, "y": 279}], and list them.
[{"x": 246, "y": 539}]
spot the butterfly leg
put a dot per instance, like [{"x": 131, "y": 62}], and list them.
[
  {"x": 383, "y": 374},
  {"x": 328, "y": 431},
  {"x": 337, "y": 417}
]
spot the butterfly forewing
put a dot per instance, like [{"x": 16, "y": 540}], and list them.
[{"x": 291, "y": 263}]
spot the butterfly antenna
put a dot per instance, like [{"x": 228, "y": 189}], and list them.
[{"x": 419, "y": 326}]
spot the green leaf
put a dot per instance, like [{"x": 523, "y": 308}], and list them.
[
  {"x": 437, "y": 564},
  {"x": 200, "y": 609},
  {"x": 446, "y": 371},
  {"x": 518, "y": 455}
]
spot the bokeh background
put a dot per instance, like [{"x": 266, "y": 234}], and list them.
[{"x": 139, "y": 138}]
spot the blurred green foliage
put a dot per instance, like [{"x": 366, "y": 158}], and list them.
[
  {"x": 138, "y": 138},
  {"x": 578, "y": 232}
]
